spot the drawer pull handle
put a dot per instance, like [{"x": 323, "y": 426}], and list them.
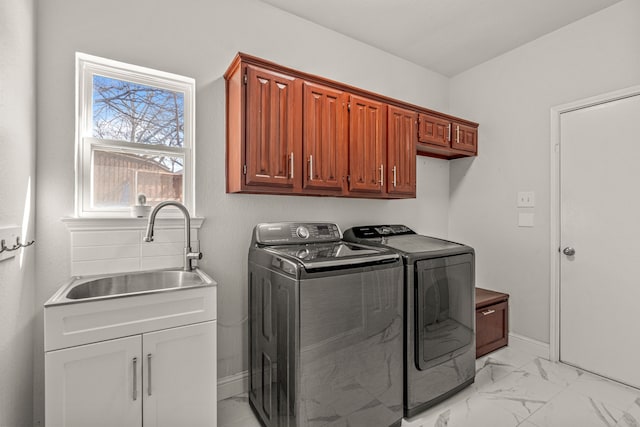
[{"x": 488, "y": 312}]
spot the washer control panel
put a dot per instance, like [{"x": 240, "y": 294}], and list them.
[
  {"x": 302, "y": 232},
  {"x": 282, "y": 233}
]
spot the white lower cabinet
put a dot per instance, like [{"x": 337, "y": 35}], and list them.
[
  {"x": 180, "y": 376},
  {"x": 163, "y": 378},
  {"x": 94, "y": 384}
]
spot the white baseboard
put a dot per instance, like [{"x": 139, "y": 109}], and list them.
[
  {"x": 233, "y": 385},
  {"x": 529, "y": 345}
]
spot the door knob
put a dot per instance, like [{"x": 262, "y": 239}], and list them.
[{"x": 569, "y": 251}]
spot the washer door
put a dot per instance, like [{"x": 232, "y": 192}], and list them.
[{"x": 444, "y": 308}]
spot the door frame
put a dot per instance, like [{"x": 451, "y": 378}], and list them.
[{"x": 554, "y": 205}]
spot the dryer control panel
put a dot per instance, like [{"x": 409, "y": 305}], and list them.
[
  {"x": 378, "y": 231},
  {"x": 283, "y": 233}
]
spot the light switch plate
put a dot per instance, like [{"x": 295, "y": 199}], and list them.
[
  {"x": 526, "y": 199},
  {"x": 525, "y": 219}
]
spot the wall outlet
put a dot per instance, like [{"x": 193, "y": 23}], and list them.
[{"x": 526, "y": 199}]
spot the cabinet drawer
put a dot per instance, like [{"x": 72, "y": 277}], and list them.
[{"x": 492, "y": 326}]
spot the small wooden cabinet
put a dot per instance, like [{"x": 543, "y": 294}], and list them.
[
  {"x": 440, "y": 136},
  {"x": 464, "y": 137},
  {"x": 492, "y": 321}
]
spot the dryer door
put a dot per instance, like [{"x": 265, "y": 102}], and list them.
[{"x": 444, "y": 308}]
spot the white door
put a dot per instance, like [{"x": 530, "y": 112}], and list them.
[
  {"x": 97, "y": 385},
  {"x": 600, "y": 221},
  {"x": 180, "y": 376}
]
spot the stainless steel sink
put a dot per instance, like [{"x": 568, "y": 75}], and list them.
[{"x": 110, "y": 286}]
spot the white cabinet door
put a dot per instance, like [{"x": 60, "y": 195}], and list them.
[
  {"x": 180, "y": 376},
  {"x": 97, "y": 385}
]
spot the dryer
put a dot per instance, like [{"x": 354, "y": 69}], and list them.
[
  {"x": 439, "y": 312},
  {"x": 325, "y": 328}
]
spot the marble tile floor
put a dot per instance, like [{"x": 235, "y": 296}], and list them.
[{"x": 511, "y": 389}]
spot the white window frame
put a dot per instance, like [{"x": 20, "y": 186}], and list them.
[{"x": 86, "y": 67}]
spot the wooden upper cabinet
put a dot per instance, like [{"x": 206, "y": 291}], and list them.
[
  {"x": 464, "y": 137},
  {"x": 442, "y": 136},
  {"x": 401, "y": 151},
  {"x": 324, "y": 138},
  {"x": 367, "y": 145},
  {"x": 289, "y": 132},
  {"x": 434, "y": 130},
  {"x": 272, "y": 128}
]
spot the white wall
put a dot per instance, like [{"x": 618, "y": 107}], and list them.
[
  {"x": 17, "y": 170},
  {"x": 511, "y": 97},
  {"x": 199, "y": 39}
]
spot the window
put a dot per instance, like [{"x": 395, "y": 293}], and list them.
[{"x": 135, "y": 135}]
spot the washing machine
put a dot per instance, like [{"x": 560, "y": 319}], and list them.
[
  {"x": 325, "y": 328},
  {"x": 439, "y": 312}
]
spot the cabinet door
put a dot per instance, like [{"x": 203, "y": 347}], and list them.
[
  {"x": 492, "y": 328},
  {"x": 324, "y": 143},
  {"x": 180, "y": 376},
  {"x": 464, "y": 138},
  {"x": 401, "y": 151},
  {"x": 434, "y": 130},
  {"x": 96, "y": 385},
  {"x": 273, "y": 128},
  {"x": 367, "y": 145}
]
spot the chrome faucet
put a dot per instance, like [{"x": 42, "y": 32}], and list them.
[{"x": 188, "y": 255}]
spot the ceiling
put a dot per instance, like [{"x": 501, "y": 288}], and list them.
[{"x": 446, "y": 36}]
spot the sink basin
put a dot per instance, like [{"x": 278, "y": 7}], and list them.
[{"x": 109, "y": 286}]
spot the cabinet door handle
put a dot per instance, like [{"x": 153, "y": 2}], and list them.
[
  {"x": 457, "y": 134},
  {"x": 310, "y": 167},
  {"x": 381, "y": 175},
  {"x": 135, "y": 378},
  {"x": 488, "y": 312},
  {"x": 291, "y": 163},
  {"x": 394, "y": 177},
  {"x": 149, "y": 374},
  {"x": 449, "y": 132}
]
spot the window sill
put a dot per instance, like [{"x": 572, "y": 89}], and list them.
[{"x": 86, "y": 224}]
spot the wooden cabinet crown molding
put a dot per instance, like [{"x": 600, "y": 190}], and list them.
[{"x": 250, "y": 59}]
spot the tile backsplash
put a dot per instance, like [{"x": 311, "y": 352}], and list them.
[{"x": 107, "y": 251}]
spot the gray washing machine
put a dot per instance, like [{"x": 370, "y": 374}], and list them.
[
  {"x": 439, "y": 337},
  {"x": 325, "y": 329}
]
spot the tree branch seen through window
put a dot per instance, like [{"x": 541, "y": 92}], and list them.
[{"x": 126, "y": 111}]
